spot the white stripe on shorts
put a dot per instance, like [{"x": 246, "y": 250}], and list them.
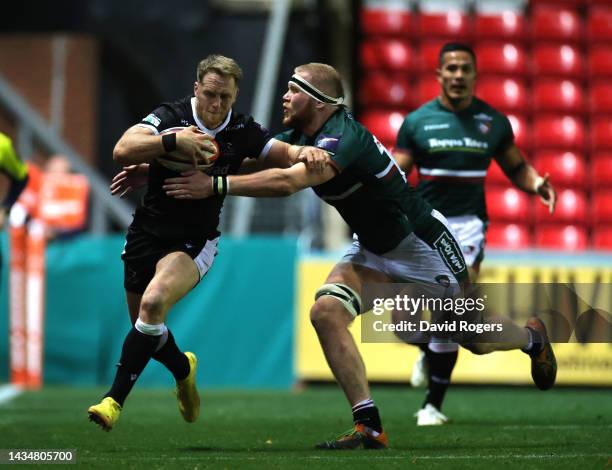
[{"x": 206, "y": 257}]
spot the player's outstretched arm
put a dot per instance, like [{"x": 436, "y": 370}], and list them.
[
  {"x": 284, "y": 155},
  {"x": 140, "y": 145},
  {"x": 525, "y": 177},
  {"x": 274, "y": 182}
]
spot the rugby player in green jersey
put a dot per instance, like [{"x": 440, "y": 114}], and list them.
[
  {"x": 452, "y": 140},
  {"x": 398, "y": 237}
]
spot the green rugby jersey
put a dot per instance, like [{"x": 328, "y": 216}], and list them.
[
  {"x": 452, "y": 152},
  {"x": 370, "y": 191}
]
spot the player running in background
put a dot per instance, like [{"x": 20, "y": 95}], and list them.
[
  {"x": 172, "y": 244},
  {"x": 13, "y": 178},
  {"x": 397, "y": 237},
  {"x": 452, "y": 140}
]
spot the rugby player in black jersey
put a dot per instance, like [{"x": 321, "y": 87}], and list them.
[{"x": 171, "y": 244}]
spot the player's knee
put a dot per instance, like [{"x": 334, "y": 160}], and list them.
[
  {"x": 153, "y": 307},
  {"x": 321, "y": 312},
  {"x": 327, "y": 314}
]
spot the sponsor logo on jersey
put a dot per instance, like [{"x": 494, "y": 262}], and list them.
[
  {"x": 218, "y": 170},
  {"x": 450, "y": 252},
  {"x": 484, "y": 127},
  {"x": 483, "y": 117},
  {"x": 237, "y": 126},
  {"x": 435, "y": 127},
  {"x": 152, "y": 119},
  {"x": 463, "y": 142},
  {"x": 329, "y": 143}
]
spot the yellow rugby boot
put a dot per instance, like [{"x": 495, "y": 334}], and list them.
[
  {"x": 186, "y": 392},
  {"x": 105, "y": 414}
]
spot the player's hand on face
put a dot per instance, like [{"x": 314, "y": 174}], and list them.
[
  {"x": 547, "y": 193},
  {"x": 314, "y": 158},
  {"x": 190, "y": 185},
  {"x": 129, "y": 179},
  {"x": 192, "y": 142}
]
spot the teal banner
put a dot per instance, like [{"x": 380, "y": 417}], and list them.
[{"x": 238, "y": 320}]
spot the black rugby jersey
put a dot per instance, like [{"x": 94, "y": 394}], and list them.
[{"x": 239, "y": 137}]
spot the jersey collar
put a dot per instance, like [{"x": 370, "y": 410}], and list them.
[{"x": 202, "y": 127}]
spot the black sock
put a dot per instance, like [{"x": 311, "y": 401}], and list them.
[
  {"x": 136, "y": 353},
  {"x": 366, "y": 413},
  {"x": 171, "y": 357},
  {"x": 440, "y": 368},
  {"x": 535, "y": 342}
]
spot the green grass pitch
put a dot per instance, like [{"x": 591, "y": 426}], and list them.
[{"x": 492, "y": 428}]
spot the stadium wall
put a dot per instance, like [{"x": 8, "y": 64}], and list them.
[{"x": 239, "y": 320}]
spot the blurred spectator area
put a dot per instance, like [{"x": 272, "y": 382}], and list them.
[{"x": 547, "y": 64}]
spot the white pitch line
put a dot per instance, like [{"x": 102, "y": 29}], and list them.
[{"x": 8, "y": 392}]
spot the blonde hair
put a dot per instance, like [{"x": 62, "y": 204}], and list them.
[
  {"x": 324, "y": 77},
  {"x": 219, "y": 64}
]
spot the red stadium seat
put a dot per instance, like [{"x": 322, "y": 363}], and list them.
[
  {"x": 561, "y": 237},
  {"x": 505, "y": 26},
  {"x": 508, "y": 205},
  {"x": 384, "y": 125},
  {"x": 496, "y": 177},
  {"x": 427, "y": 88},
  {"x": 599, "y": 24},
  {"x": 557, "y": 60},
  {"x": 561, "y": 3},
  {"x": 427, "y": 55},
  {"x": 501, "y": 58},
  {"x": 601, "y": 133},
  {"x": 571, "y": 208},
  {"x": 387, "y": 54},
  {"x": 600, "y": 61},
  {"x": 602, "y": 207},
  {"x": 506, "y": 95},
  {"x": 558, "y": 132},
  {"x": 600, "y": 97},
  {"x": 386, "y": 22},
  {"x": 555, "y": 23},
  {"x": 382, "y": 90},
  {"x": 601, "y": 170},
  {"x": 602, "y": 237},
  {"x": 522, "y": 134},
  {"x": 550, "y": 94},
  {"x": 451, "y": 24},
  {"x": 507, "y": 236},
  {"x": 566, "y": 169}
]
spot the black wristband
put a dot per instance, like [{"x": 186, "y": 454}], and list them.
[
  {"x": 220, "y": 185},
  {"x": 169, "y": 142}
]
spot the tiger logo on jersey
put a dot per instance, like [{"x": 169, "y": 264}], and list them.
[
  {"x": 329, "y": 143},
  {"x": 483, "y": 122}
]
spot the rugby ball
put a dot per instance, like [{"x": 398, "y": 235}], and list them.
[{"x": 178, "y": 161}]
